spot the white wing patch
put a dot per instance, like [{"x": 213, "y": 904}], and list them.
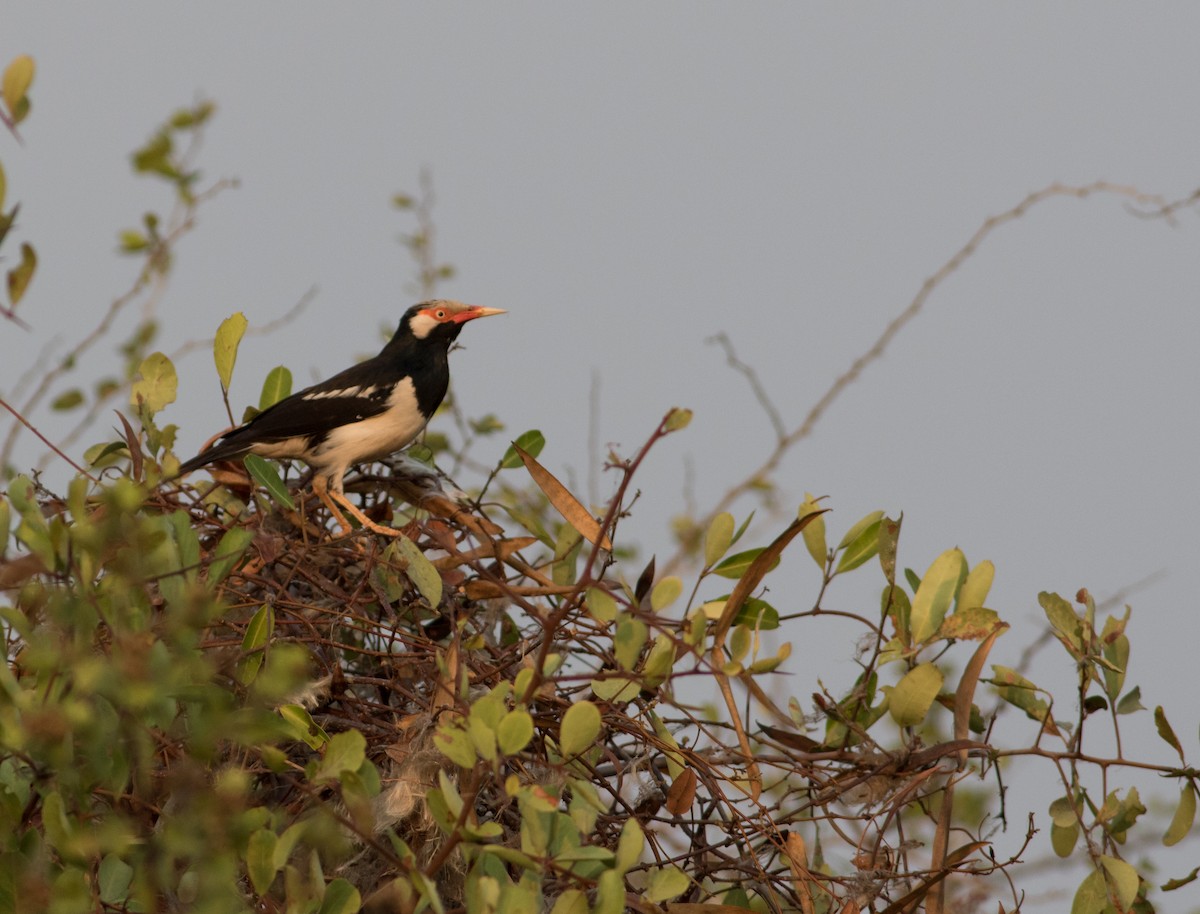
[{"x": 343, "y": 392}]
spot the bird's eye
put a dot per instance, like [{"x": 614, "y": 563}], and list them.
[{"x": 440, "y": 314}]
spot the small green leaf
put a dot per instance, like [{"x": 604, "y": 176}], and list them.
[
  {"x": 3, "y": 188},
  {"x": 254, "y": 642},
  {"x": 580, "y": 728},
  {"x": 665, "y": 593},
  {"x": 665, "y": 883},
  {"x": 912, "y": 696},
  {"x": 1065, "y": 621},
  {"x": 859, "y": 528},
  {"x": 1165, "y": 730},
  {"x": 935, "y": 594},
  {"x": 514, "y": 731},
  {"x": 1184, "y": 818},
  {"x": 260, "y": 859},
  {"x": 265, "y": 474},
  {"x": 156, "y": 385},
  {"x": 1131, "y": 701},
  {"x": 814, "y": 531},
  {"x": 629, "y": 640},
  {"x": 420, "y": 570},
  {"x": 616, "y": 689},
  {"x": 300, "y": 722},
  {"x": 20, "y": 275},
  {"x": 1019, "y": 692},
  {"x": 1123, "y": 878},
  {"x": 228, "y": 553},
  {"x": 18, "y": 76},
  {"x": 678, "y": 418},
  {"x": 68, "y": 399},
  {"x": 735, "y": 565},
  {"x": 1172, "y": 884},
  {"x": 344, "y": 752},
  {"x": 976, "y": 587},
  {"x": 340, "y": 898},
  {"x": 600, "y": 605},
  {"x": 630, "y": 846},
  {"x": 863, "y": 547},
  {"x": 225, "y": 346},
  {"x": 1092, "y": 895},
  {"x": 718, "y": 539},
  {"x": 113, "y": 880},
  {"x": 531, "y": 442},
  {"x": 132, "y": 241},
  {"x": 276, "y": 387},
  {"x": 452, "y": 741},
  {"x": 1063, "y": 839}
]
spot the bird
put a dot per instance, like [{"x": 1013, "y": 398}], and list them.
[{"x": 364, "y": 413}]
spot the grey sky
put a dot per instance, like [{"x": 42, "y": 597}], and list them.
[{"x": 628, "y": 180}]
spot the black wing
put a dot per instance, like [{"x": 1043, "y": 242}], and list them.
[{"x": 358, "y": 393}]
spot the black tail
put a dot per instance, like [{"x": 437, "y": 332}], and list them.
[{"x": 222, "y": 450}]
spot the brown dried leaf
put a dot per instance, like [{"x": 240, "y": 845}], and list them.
[
  {"x": 682, "y": 792},
  {"x": 564, "y": 502}
]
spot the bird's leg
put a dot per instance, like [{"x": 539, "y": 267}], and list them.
[{"x": 331, "y": 495}]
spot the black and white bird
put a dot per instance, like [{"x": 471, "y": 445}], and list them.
[{"x": 364, "y": 413}]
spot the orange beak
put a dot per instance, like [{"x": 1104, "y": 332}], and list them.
[{"x": 473, "y": 311}]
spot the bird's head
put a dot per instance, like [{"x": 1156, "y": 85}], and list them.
[{"x": 441, "y": 319}]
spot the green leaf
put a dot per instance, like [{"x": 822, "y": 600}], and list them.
[
  {"x": 629, "y": 640},
  {"x": 630, "y": 846},
  {"x": 665, "y": 883},
  {"x": 1131, "y": 701},
  {"x": 665, "y": 593},
  {"x": 1065, "y": 622},
  {"x": 264, "y": 473},
  {"x": 1165, "y": 730},
  {"x": 156, "y": 384},
  {"x": 19, "y": 276},
  {"x": 678, "y": 418},
  {"x": 228, "y": 553},
  {"x": 1123, "y": 878},
  {"x": 1019, "y": 692},
  {"x": 531, "y": 442},
  {"x": 718, "y": 539},
  {"x": 814, "y": 532},
  {"x": 3, "y": 189},
  {"x": 132, "y": 241},
  {"x": 68, "y": 399},
  {"x": 618, "y": 690},
  {"x": 1092, "y": 895},
  {"x": 254, "y": 642},
  {"x": 572, "y": 901},
  {"x": 935, "y": 594},
  {"x": 1063, "y": 839},
  {"x": 580, "y": 728},
  {"x": 889, "y": 544},
  {"x": 1172, "y": 884},
  {"x": 260, "y": 859},
  {"x": 860, "y": 543},
  {"x": 18, "y": 76},
  {"x": 735, "y": 566},
  {"x": 344, "y": 752},
  {"x": 1184, "y": 818},
  {"x": 912, "y": 696},
  {"x": 340, "y": 898},
  {"x": 420, "y": 570},
  {"x": 276, "y": 387},
  {"x": 300, "y": 722},
  {"x": 514, "y": 731},
  {"x": 113, "y": 880},
  {"x": 452, "y": 741},
  {"x": 600, "y": 605},
  {"x": 225, "y": 346},
  {"x": 5, "y": 524},
  {"x": 976, "y": 587}
]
